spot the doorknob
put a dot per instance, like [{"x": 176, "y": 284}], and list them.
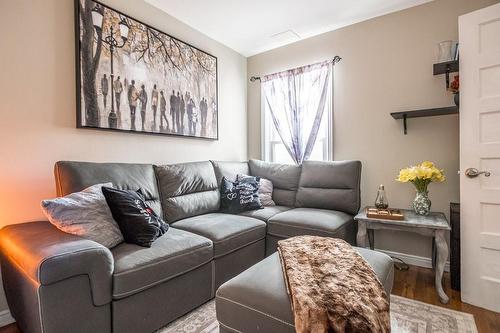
[{"x": 473, "y": 173}]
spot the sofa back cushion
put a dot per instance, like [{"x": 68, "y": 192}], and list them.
[
  {"x": 75, "y": 176},
  {"x": 229, "y": 170},
  {"x": 285, "y": 179},
  {"x": 187, "y": 189},
  {"x": 330, "y": 185}
]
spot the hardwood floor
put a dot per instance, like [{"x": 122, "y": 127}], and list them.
[
  {"x": 12, "y": 328},
  {"x": 416, "y": 283}
]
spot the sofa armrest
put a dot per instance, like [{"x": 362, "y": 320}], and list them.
[{"x": 47, "y": 255}]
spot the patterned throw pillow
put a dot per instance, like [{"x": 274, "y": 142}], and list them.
[
  {"x": 85, "y": 214},
  {"x": 265, "y": 190},
  {"x": 138, "y": 223},
  {"x": 240, "y": 196}
]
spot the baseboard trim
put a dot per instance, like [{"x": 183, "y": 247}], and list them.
[
  {"x": 6, "y": 318},
  {"x": 411, "y": 259}
]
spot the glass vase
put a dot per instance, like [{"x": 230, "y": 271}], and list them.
[
  {"x": 381, "y": 200},
  {"x": 445, "y": 51},
  {"x": 421, "y": 203}
]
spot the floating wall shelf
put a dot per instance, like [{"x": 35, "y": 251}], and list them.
[
  {"x": 438, "y": 69},
  {"x": 423, "y": 113},
  {"x": 446, "y": 68}
]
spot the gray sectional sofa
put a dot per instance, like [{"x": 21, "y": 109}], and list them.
[{"x": 57, "y": 282}]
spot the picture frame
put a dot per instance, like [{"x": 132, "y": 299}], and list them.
[{"x": 132, "y": 77}]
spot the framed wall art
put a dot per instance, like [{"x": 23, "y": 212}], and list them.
[{"x": 133, "y": 77}]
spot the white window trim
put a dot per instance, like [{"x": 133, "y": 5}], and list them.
[{"x": 263, "y": 128}]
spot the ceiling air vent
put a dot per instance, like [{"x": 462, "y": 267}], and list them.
[{"x": 285, "y": 37}]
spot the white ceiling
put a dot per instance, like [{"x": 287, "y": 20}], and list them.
[{"x": 254, "y": 26}]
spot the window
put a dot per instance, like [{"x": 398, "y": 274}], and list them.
[{"x": 273, "y": 149}]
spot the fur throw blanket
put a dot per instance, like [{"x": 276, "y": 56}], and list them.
[{"x": 331, "y": 287}]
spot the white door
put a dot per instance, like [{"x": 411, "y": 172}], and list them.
[{"x": 479, "y": 33}]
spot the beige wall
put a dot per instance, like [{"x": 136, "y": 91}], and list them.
[
  {"x": 386, "y": 67},
  {"x": 37, "y": 105},
  {"x": 37, "y": 89}
]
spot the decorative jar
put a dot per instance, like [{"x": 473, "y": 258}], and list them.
[{"x": 422, "y": 203}]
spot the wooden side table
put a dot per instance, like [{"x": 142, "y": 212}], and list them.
[{"x": 433, "y": 225}]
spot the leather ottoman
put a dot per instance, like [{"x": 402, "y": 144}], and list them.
[{"x": 257, "y": 301}]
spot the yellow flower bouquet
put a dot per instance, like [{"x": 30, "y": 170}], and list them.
[{"x": 421, "y": 176}]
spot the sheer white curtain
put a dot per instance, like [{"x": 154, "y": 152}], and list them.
[{"x": 296, "y": 100}]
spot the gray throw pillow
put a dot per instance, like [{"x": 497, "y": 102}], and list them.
[
  {"x": 265, "y": 190},
  {"x": 85, "y": 214}
]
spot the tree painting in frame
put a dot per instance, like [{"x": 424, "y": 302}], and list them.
[{"x": 132, "y": 77}]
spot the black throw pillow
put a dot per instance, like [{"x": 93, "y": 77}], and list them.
[
  {"x": 138, "y": 223},
  {"x": 240, "y": 196}
]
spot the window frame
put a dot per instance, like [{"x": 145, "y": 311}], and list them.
[{"x": 267, "y": 153}]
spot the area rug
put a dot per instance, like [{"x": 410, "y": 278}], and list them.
[{"x": 407, "y": 316}]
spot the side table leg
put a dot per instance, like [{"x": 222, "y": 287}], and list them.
[
  {"x": 433, "y": 253},
  {"x": 371, "y": 238},
  {"x": 442, "y": 255},
  {"x": 361, "y": 238}
]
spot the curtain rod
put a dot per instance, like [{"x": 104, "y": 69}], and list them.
[{"x": 335, "y": 60}]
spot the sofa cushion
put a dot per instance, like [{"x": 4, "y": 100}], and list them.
[
  {"x": 266, "y": 213},
  {"x": 285, "y": 179},
  {"x": 187, "y": 189},
  {"x": 240, "y": 195},
  {"x": 138, "y": 223},
  {"x": 85, "y": 214},
  {"x": 330, "y": 185},
  {"x": 76, "y": 176},
  {"x": 138, "y": 268},
  {"x": 308, "y": 221},
  {"x": 229, "y": 170},
  {"x": 265, "y": 189},
  {"x": 257, "y": 299},
  {"x": 228, "y": 232}
]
